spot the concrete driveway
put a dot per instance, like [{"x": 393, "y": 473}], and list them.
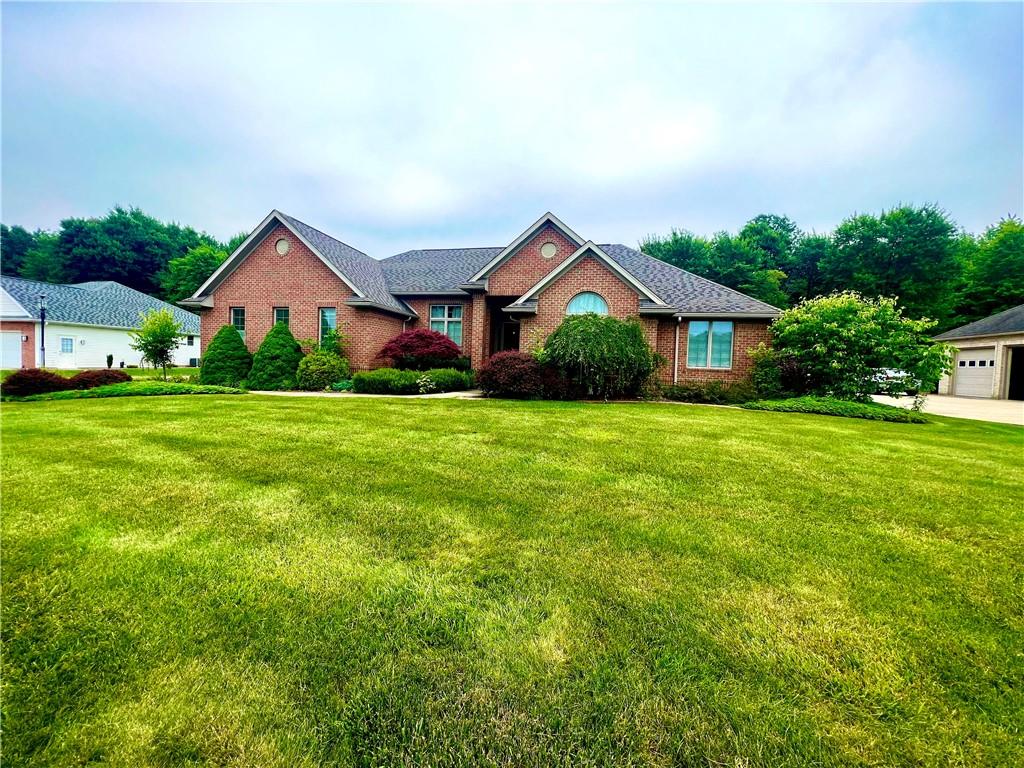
[{"x": 1003, "y": 411}]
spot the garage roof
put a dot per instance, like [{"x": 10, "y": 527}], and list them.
[{"x": 1008, "y": 321}]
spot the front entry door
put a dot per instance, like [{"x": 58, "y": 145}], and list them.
[{"x": 510, "y": 336}]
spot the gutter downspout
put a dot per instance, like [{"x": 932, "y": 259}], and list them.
[{"x": 675, "y": 361}]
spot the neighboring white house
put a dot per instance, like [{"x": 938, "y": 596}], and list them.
[
  {"x": 85, "y": 322},
  {"x": 989, "y": 358}
]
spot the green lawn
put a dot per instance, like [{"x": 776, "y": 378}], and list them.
[{"x": 266, "y": 581}]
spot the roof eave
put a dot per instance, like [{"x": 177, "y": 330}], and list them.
[
  {"x": 203, "y": 302},
  {"x": 728, "y": 315},
  {"x": 943, "y": 337},
  {"x": 369, "y": 304}
]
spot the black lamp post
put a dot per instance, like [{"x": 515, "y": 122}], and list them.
[{"x": 42, "y": 323}]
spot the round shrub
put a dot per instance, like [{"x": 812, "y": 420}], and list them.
[
  {"x": 321, "y": 369},
  {"x": 511, "y": 374},
  {"x": 276, "y": 361},
  {"x": 604, "y": 356},
  {"x": 33, "y": 381},
  {"x": 97, "y": 378},
  {"x": 421, "y": 349},
  {"x": 227, "y": 362}
]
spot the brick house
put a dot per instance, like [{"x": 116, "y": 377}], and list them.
[{"x": 485, "y": 299}]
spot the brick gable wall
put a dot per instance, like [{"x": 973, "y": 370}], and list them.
[
  {"x": 304, "y": 284},
  {"x": 527, "y": 266}
]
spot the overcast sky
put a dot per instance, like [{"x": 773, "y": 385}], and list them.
[{"x": 392, "y": 127}]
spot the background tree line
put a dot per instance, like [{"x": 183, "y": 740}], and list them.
[
  {"x": 126, "y": 245},
  {"x": 915, "y": 254}
]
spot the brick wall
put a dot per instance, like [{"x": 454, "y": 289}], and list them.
[
  {"x": 527, "y": 266},
  {"x": 745, "y": 336},
  {"x": 304, "y": 284},
  {"x": 28, "y": 348},
  {"x": 588, "y": 274},
  {"x": 421, "y": 306}
]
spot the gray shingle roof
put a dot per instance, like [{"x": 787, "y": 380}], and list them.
[
  {"x": 1007, "y": 321},
  {"x": 94, "y": 303},
  {"x": 684, "y": 290},
  {"x": 436, "y": 269},
  {"x": 364, "y": 271},
  {"x": 444, "y": 269}
]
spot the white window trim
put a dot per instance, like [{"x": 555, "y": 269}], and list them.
[
  {"x": 447, "y": 320},
  {"x": 709, "y": 367},
  {"x": 607, "y": 309},
  {"x": 67, "y": 338}
]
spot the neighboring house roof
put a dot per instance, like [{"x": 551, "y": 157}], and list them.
[
  {"x": 1007, "y": 321},
  {"x": 102, "y": 303}
]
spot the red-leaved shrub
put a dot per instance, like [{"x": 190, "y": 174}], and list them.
[
  {"x": 97, "y": 378},
  {"x": 33, "y": 381},
  {"x": 421, "y": 349},
  {"x": 511, "y": 374}
]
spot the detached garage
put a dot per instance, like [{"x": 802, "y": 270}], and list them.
[{"x": 989, "y": 358}]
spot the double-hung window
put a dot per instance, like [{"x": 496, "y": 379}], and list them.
[
  {"x": 281, "y": 315},
  {"x": 709, "y": 344},
  {"x": 447, "y": 319},
  {"x": 238, "y": 320},
  {"x": 328, "y": 321}
]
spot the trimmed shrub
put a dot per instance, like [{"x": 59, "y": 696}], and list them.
[
  {"x": 445, "y": 380},
  {"x": 33, "y": 381},
  {"x": 387, "y": 381},
  {"x": 604, "y": 356},
  {"x": 829, "y": 406},
  {"x": 511, "y": 374},
  {"x": 98, "y": 378},
  {"x": 227, "y": 362},
  {"x": 276, "y": 361},
  {"x": 110, "y": 361},
  {"x": 320, "y": 370},
  {"x": 712, "y": 392},
  {"x": 421, "y": 349}
]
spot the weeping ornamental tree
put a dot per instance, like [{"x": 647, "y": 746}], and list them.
[
  {"x": 604, "y": 356},
  {"x": 842, "y": 341}
]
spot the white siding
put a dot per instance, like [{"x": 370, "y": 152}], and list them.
[{"x": 91, "y": 345}]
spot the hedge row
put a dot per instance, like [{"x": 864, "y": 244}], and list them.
[
  {"x": 391, "y": 381},
  {"x": 36, "y": 381},
  {"x": 137, "y": 389},
  {"x": 829, "y": 406}
]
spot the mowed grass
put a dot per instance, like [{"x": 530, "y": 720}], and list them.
[{"x": 260, "y": 581}]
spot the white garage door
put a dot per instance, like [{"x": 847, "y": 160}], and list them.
[
  {"x": 10, "y": 350},
  {"x": 973, "y": 374}
]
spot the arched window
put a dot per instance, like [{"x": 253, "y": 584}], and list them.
[{"x": 585, "y": 302}]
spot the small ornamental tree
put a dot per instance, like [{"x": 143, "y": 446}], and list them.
[
  {"x": 227, "y": 361},
  {"x": 276, "y": 361},
  {"x": 421, "y": 349},
  {"x": 157, "y": 338},
  {"x": 604, "y": 356},
  {"x": 842, "y": 341}
]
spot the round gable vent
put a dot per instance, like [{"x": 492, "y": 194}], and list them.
[
  {"x": 282, "y": 246},
  {"x": 548, "y": 250}
]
